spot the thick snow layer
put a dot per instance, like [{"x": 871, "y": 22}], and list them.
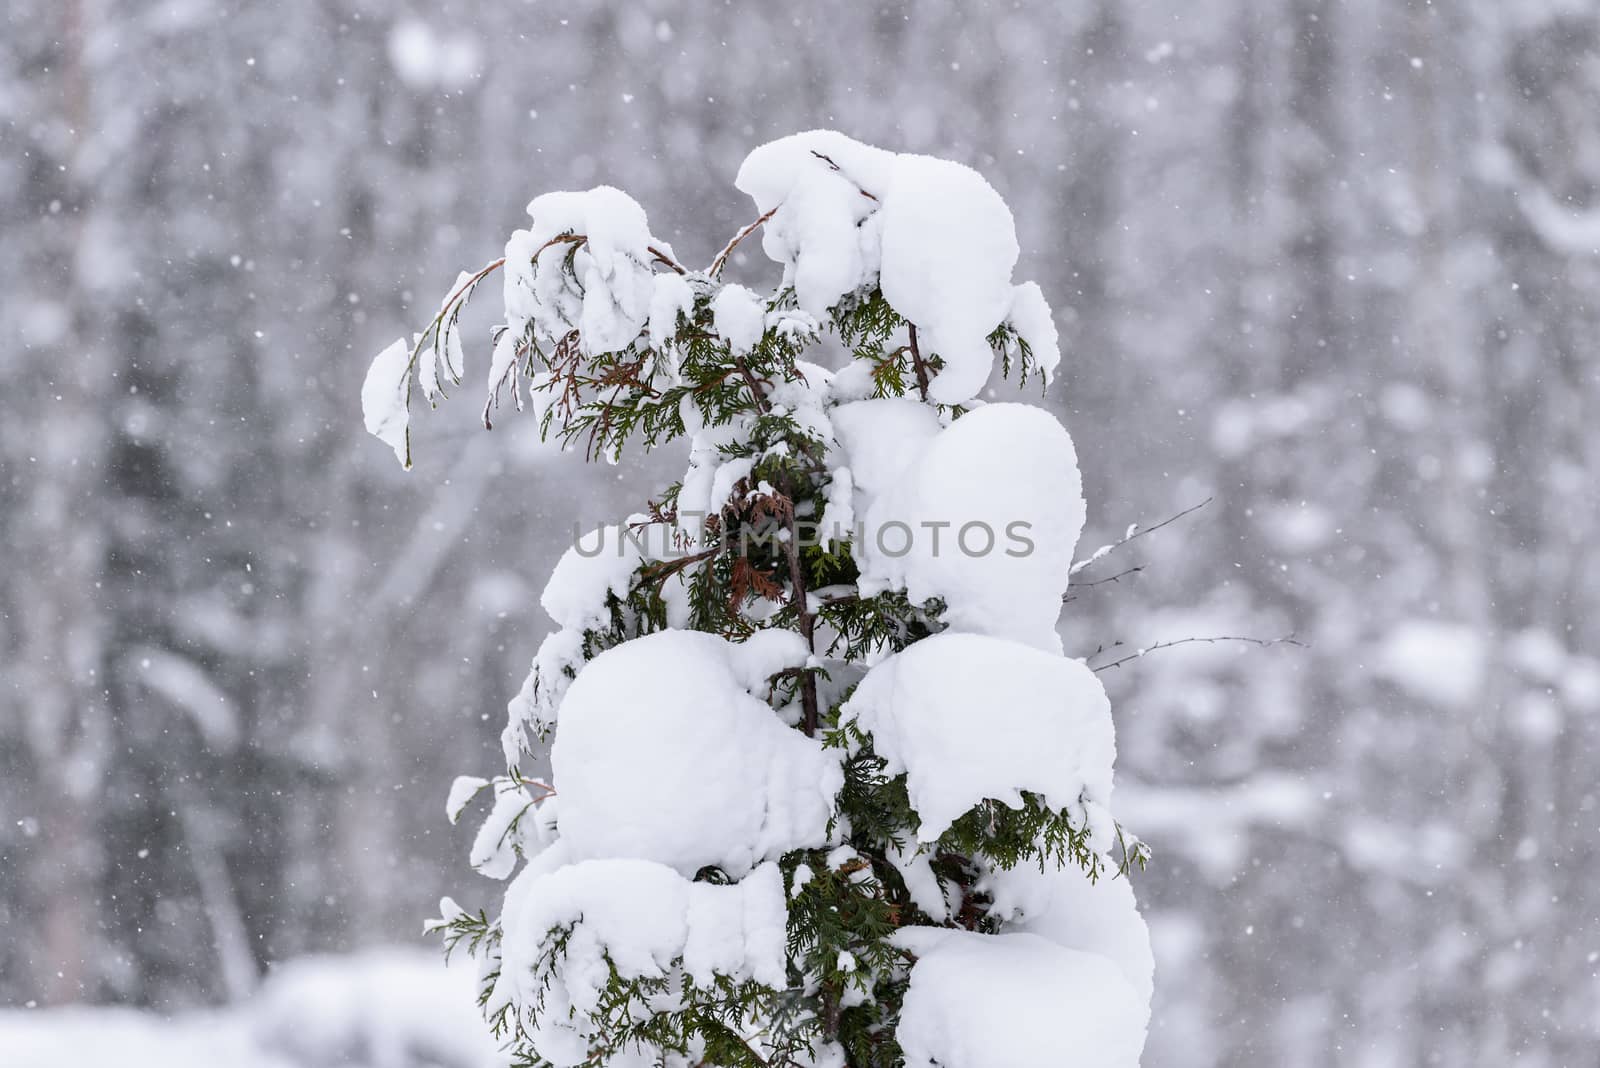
[
  {"x": 740, "y": 317},
  {"x": 642, "y": 918},
  {"x": 986, "y": 518},
  {"x": 937, "y": 237},
  {"x": 695, "y": 497},
  {"x": 949, "y": 244},
  {"x": 1030, "y": 317},
  {"x": 667, "y": 751},
  {"x": 1044, "y": 725},
  {"x": 610, "y": 302},
  {"x": 880, "y": 439},
  {"x": 1064, "y": 907},
  {"x": 816, "y": 231},
  {"x": 385, "y": 394},
  {"x": 670, "y": 298},
  {"x": 1015, "y": 1001},
  {"x": 601, "y": 563}
]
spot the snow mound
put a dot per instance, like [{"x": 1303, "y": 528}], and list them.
[
  {"x": 601, "y": 563},
  {"x": 880, "y": 439},
  {"x": 1064, "y": 907},
  {"x": 668, "y": 752},
  {"x": 993, "y": 508},
  {"x": 1015, "y": 1001},
  {"x": 821, "y": 187},
  {"x": 610, "y": 302},
  {"x": 642, "y": 918},
  {"x": 949, "y": 245},
  {"x": 1046, "y": 728},
  {"x": 938, "y": 239}
]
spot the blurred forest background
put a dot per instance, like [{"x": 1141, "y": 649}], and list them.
[{"x": 1334, "y": 264}]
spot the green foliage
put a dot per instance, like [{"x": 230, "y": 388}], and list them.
[{"x": 756, "y": 566}]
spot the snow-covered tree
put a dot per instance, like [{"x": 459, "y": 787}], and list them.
[{"x": 824, "y": 787}]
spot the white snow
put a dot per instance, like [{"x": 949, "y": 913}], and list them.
[
  {"x": 1045, "y": 728},
  {"x": 1015, "y": 1001},
  {"x": 1030, "y": 317},
  {"x": 740, "y": 317},
  {"x": 1064, "y": 907},
  {"x": 609, "y": 302},
  {"x": 381, "y": 1008},
  {"x": 640, "y": 917},
  {"x": 880, "y": 439},
  {"x": 538, "y": 702},
  {"x": 816, "y": 232},
  {"x": 462, "y": 791},
  {"x": 949, "y": 244},
  {"x": 385, "y": 396},
  {"x": 670, "y": 297},
  {"x": 666, "y": 752},
  {"x": 935, "y": 235},
  {"x": 503, "y": 838},
  {"x": 1003, "y": 478},
  {"x": 602, "y": 562}
]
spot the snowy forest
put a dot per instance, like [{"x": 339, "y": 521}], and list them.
[{"x": 1319, "y": 272}]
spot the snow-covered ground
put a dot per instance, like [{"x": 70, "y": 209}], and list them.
[{"x": 385, "y": 1008}]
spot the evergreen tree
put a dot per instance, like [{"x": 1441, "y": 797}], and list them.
[{"x": 825, "y": 789}]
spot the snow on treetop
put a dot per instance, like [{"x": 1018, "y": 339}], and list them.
[
  {"x": 1044, "y": 725},
  {"x": 993, "y": 504},
  {"x": 1015, "y": 1001},
  {"x": 936, "y": 236},
  {"x": 666, "y": 753}
]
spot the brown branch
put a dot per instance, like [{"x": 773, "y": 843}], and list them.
[
  {"x": 916, "y": 362},
  {"x": 829, "y": 161},
  {"x": 727, "y": 250},
  {"x": 807, "y": 622},
  {"x": 662, "y": 257},
  {"x": 755, "y": 386},
  {"x": 1264, "y": 643}
]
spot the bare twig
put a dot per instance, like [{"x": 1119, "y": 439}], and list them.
[
  {"x": 1264, "y": 643},
  {"x": 1134, "y": 533},
  {"x": 727, "y": 250},
  {"x": 1070, "y": 597}
]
